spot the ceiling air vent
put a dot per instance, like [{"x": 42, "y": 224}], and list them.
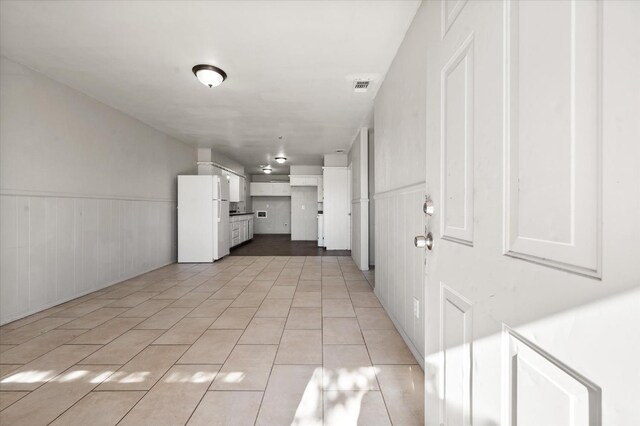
[{"x": 361, "y": 86}]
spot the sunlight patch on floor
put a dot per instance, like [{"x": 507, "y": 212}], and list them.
[
  {"x": 199, "y": 377},
  {"x": 28, "y": 377},
  {"x": 349, "y": 378},
  {"x": 309, "y": 411}
]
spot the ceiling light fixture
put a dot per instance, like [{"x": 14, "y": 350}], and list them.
[
  {"x": 267, "y": 170},
  {"x": 209, "y": 75},
  {"x": 281, "y": 160}
]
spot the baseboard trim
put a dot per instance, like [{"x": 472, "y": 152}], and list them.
[{"x": 414, "y": 351}]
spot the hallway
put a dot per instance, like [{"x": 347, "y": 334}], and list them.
[{"x": 246, "y": 340}]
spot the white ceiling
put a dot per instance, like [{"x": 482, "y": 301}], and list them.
[{"x": 291, "y": 66}]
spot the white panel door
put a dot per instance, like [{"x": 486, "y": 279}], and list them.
[
  {"x": 336, "y": 207},
  {"x": 532, "y": 285}
]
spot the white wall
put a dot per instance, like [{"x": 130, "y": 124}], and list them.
[
  {"x": 400, "y": 132},
  {"x": 359, "y": 160},
  {"x": 211, "y": 155},
  {"x": 278, "y": 220},
  {"x": 304, "y": 213},
  {"x": 87, "y": 193},
  {"x": 305, "y": 170},
  {"x": 335, "y": 160}
]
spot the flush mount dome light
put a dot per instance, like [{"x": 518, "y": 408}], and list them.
[
  {"x": 267, "y": 170},
  {"x": 281, "y": 160},
  {"x": 209, "y": 75}
]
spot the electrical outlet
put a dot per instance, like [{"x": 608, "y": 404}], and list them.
[{"x": 416, "y": 308}]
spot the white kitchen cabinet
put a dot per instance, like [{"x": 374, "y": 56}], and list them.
[
  {"x": 281, "y": 189},
  {"x": 244, "y": 230},
  {"x": 259, "y": 189},
  {"x": 243, "y": 189},
  {"x": 241, "y": 228},
  {"x": 237, "y": 188},
  {"x": 234, "y": 188},
  {"x": 270, "y": 189}
]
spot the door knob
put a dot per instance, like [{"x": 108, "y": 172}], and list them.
[
  {"x": 422, "y": 242},
  {"x": 427, "y": 207}
]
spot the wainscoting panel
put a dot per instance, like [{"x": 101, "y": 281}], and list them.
[
  {"x": 399, "y": 265},
  {"x": 57, "y": 247}
]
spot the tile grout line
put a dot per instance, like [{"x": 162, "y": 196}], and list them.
[
  {"x": 173, "y": 365},
  {"x": 252, "y": 277},
  {"x": 273, "y": 363}
]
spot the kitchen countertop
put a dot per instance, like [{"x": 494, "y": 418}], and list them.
[{"x": 241, "y": 214}]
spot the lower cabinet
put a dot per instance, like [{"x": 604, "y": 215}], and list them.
[{"x": 241, "y": 229}]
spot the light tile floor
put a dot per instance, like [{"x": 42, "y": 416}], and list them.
[{"x": 244, "y": 341}]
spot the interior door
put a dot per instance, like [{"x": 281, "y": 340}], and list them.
[
  {"x": 532, "y": 280},
  {"x": 337, "y": 205}
]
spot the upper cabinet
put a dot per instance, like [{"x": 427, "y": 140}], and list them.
[
  {"x": 305, "y": 180},
  {"x": 243, "y": 189},
  {"x": 281, "y": 189},
  {"x": 270, "y": 189},
  {"x": 237, "y": 183},
  {"x": 308, "y": 180},
  {"x": 236, "y": 188}
]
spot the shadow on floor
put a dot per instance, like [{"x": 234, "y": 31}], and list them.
[{"x": 281, "y": 245}]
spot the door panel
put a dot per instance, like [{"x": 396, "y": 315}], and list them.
[
  {"x": 552, "y": 141},
  {"x": 543, "y": 390},
  {"x": 532, "y": 287},
  {"x": 456, "y": 180},
  {"x": 455, "y": 344}
]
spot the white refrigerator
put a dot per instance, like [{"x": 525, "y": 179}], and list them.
[{"x": 203, "y": 218}]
